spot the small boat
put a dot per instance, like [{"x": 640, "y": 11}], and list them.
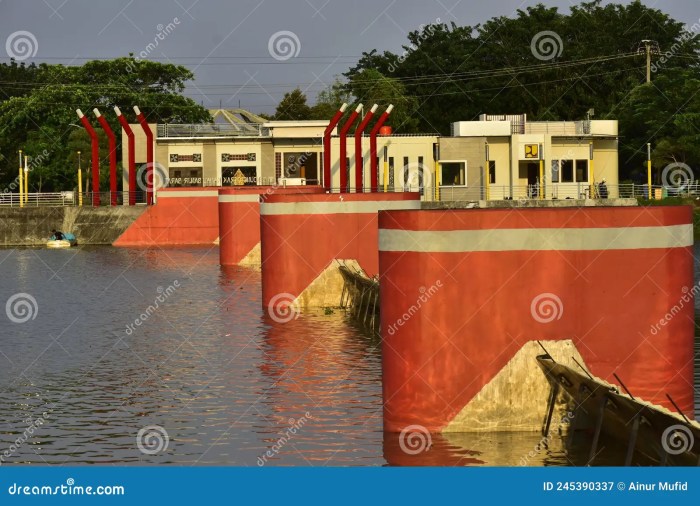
[
  {"x": 663, "y": 437},
  {"x": 67, "y": 241}
]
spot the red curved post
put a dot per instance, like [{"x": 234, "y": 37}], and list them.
[
  {"x": 149, "y": 154},
  {"x": 327, "y": 147},
  {"x": 112, "y": 156},
  {"x": 95, "y": 143},
  {"x": 132, "y": 155},
  {"x": 373, "y": 148},
  {"x": 344, "y": 149},
  {"x": 359, "y": 165}
]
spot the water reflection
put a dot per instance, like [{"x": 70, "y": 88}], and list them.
[{"x": 229, "y": 384}]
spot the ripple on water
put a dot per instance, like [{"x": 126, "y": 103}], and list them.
[{"x": 229, "y": 385}]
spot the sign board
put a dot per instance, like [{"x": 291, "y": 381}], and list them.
[{"x": 532, "y": 151}]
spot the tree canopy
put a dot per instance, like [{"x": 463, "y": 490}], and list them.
[
  {"x": 38, "y": 103},
  {"x": 551, "y": 66}
]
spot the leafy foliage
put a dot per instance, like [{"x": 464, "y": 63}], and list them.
[{"x": 38, "y": 103}]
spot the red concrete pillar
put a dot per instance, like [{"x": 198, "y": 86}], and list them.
[
  {"x": 183, "y": 216},
  {"x": 302, "y": 234},
  {"x": 374, "y": 169},
  {"x": 359, "y": 166},
  {"x": 149, "y": 154},
  {"x": 344, "y": 149},
  {"x": 112, "y": 156},
  {"x": 327, "y": 147},
  {"x": 132, "y": 155},
  {"x": 95, "y": 143},
  {"x": 239, "y": 218},
  {"x": 461, "y": 291}
]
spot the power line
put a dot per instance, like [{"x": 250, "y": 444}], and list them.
[{"x": 416, "y": 80}]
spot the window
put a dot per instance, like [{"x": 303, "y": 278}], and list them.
[
  {"x": 452, "y": 173},
  {"x": 391, "y": 173},
  {"x": 581, "y": 171},
  {"x": 555, "y": 171},
  {"x": 567, "y": 171},
  {"x": 492, "y": 172}
]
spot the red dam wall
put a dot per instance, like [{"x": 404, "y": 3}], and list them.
[
  {"x": 302, "y": 234},
  {"x": 181, "y": 216},
  {"x": 239, "y": 218},
  {"x": 461, "y": 291}
]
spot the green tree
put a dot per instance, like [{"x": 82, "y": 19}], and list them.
[
  {"x": 41, "y": 118},
  {"x": 665, "y": 113},
  {"x": 372, "y": 87},
  {"x": 329, "y": 101},
  {"x": 547, "y": 64},
  {"x": 293, "y": 107}
]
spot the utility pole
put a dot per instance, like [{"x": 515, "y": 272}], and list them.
[{"x": 649, "y": 47}]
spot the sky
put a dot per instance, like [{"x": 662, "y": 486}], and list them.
[{"x": 244, "y": 53}]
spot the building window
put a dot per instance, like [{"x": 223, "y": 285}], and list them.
[
  {"x": 492, "y": 172},
  {"x": 421, "y": 175},
  {"x": 581, "y": 171},
  {"x": 453, "y": 173},
  {"x": 391, "y": 173},
  {"x": 567, "y": 171},
  {"x": 555, "y": 171}
]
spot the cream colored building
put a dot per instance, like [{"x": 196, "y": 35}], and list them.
[
  {"x": 564, "y": 158},
  {"x": 499, "y": 157}
]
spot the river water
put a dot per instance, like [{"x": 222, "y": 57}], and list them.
[{"x": 163, "y": 357}]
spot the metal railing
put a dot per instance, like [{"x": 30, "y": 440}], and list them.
[
  {"x": 212, "y": 130},
  {"x": 71, "y": 198},
  {"x": 443, "y": 193}
]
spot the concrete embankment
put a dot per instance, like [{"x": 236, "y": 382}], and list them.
[{"x": 31, "y": 226}]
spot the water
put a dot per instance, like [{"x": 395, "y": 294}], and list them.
[{"x": 94, "y": 365}]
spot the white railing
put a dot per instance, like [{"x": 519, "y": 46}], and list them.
[
  {"x": 212, "y": 130},
  {"x": 445, "y": 193},
  {"x": 70, "y": 198}
]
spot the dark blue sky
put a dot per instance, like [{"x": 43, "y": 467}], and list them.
[{"x": 226, "y": 43}]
